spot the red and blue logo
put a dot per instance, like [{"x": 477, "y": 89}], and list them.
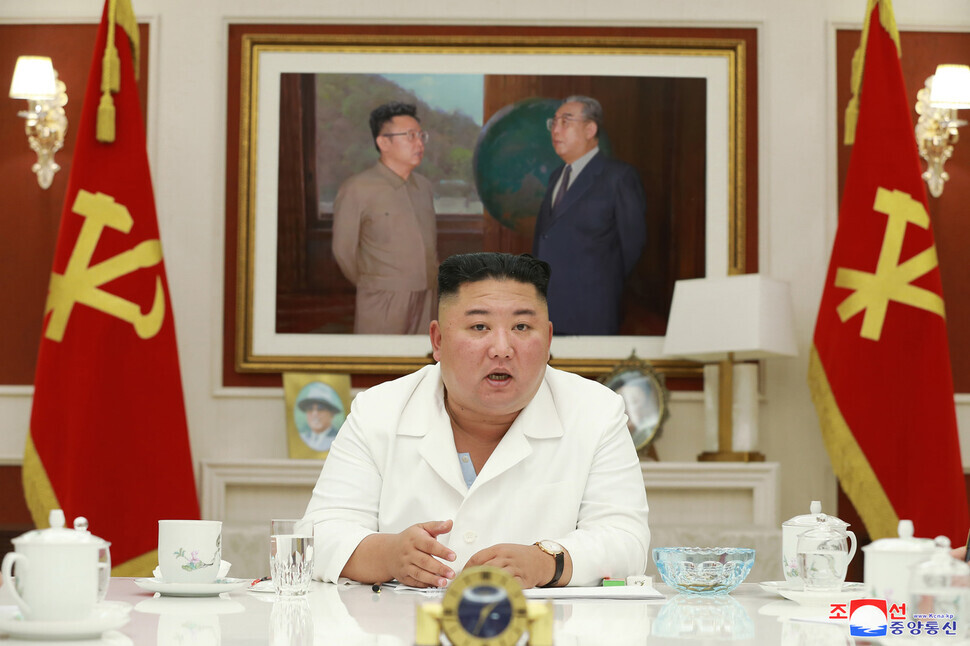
[{"x": 868, "y": 618}]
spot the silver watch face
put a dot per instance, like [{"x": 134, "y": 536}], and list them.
[{"x": 551, "y": 546}]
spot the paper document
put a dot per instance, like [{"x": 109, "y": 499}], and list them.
[
  {"x": 593, "y": 592},
  {"x": 596, "y": 592}
]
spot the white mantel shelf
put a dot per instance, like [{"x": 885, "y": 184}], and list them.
[
  {"x": 691, "y": 503},
  {"x": 713, "y": 493}
]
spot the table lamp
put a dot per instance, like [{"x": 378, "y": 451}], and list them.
[{"x": 728, "y": 319}]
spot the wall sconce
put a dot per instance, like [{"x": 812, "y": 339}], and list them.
[
  {"x": 35, "y": 80},
  {"x": 936, "y": 131}
]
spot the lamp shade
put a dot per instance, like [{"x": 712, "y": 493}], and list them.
[
  {"x": 749, "y": 315},
  {"x": 951, "y": 87},
  {"x": 33, "y": 78}
]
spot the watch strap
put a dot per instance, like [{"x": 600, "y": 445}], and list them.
[{"x": 560, "y": 557}]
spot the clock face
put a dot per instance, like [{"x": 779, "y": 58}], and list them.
[
  {"x": 484, "y": 606},
  {"x": 484, "y": 611}
]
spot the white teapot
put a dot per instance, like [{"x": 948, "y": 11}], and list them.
[
  {"x": 941, "y": 586},
  {"x": 889, "y": 563},
  {"x": 790, "y": 531},
  {"x": 60, "y": 573}
]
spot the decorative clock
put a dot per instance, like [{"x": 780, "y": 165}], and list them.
[{"x": 484, "y": 606}]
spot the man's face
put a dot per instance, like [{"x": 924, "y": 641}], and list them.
[
  {"x": 571, "y": 136},
  {"x": 492, "y": 340},
  {"x": 397, "y": 152},
  {"x": 318, "y": 417}
]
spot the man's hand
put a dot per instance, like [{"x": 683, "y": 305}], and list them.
[
  {"x": 411, "y": 551},
  {"x": 407, "y": 557},
  {"x": 527, "y": 563}
]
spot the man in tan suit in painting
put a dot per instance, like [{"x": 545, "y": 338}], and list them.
[{"x": 384, "y": 232}]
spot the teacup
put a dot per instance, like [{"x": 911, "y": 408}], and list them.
[
  {"x": 794, "y": 527},
  {"x": 189, "y": 551},
  {"x": 60, "y": 574}
]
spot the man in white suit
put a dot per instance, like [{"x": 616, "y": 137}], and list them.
[{"x": 488, "y": 457}]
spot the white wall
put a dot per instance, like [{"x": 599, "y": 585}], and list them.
[{"x": 797, "y": 152}]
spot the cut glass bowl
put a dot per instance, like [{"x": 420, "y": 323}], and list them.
[{"x": 703, "y": 570}]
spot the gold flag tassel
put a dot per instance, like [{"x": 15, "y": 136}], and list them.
[
  {"x": 105, "y": 132},
  {"x": 111, "y": 63},
  {"x": 111, "y": 69},
  {"x": 110, "y": 82}
]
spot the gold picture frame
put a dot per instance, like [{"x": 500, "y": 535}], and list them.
[
  {"x": 265, "y": 57},
  {"x": 316, "y": 407}
]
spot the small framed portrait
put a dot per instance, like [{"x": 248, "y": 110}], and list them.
[
  {"x": 316, "y": 407},
  {"x": 646, "y": 398}
]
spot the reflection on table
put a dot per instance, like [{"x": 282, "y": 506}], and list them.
[{"x": 353, "y": 615}]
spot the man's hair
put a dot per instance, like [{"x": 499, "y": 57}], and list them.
[
  {"x": 384, "y": 113},
  {"x": 473, "y": 267},
  {"x": 592, "y": 110}
]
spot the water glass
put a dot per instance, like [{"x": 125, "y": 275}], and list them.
[
  {"x": 290, "y": 558},
  {"x": 822, "y": 570},
  {"x": 823, "y": 556}
]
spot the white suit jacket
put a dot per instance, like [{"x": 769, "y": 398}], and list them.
[{"x": 566, "y": 470}]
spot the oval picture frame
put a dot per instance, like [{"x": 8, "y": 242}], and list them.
[{"x": 646, "y": 398}]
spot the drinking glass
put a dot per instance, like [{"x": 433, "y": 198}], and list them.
[
  {"x": 823, "y": 557},
  {"x": 290, "y": 558}
]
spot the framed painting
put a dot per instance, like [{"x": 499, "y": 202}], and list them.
[
  {"x": 316, "y": 407},
  {"x": 674, "y": 108}
]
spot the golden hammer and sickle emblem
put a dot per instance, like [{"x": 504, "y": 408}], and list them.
[
  {"x": 892, "y": 280},
  {"x": 80, "y": 282}
]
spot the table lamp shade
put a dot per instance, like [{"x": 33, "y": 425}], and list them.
[
  {"x": 723, "y": 320},
  {"x": 748, "y": 315}
]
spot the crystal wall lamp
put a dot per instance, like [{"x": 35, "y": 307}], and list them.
[
  {"x": 936, "y": 130},
  {"x": 35, "y": 80}
]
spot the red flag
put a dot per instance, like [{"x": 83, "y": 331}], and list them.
[
  {"x": 108, "y": 437},
  {"x": 880, "y": 367}
]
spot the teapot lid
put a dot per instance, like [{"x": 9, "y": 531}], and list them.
[
  {"x": 57, "y": 534},
  {"x": 811, "y": 519},
  {"x": 823, "y": 530},
  {"x": 905, "y": 542}
]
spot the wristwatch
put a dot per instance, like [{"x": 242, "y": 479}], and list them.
[{"x": 555, "y": 550}]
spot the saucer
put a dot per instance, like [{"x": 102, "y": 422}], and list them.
[
  {"x": 170, "y": 589},
  {"x": 772, "y": 587},
  {"x": 107, "y": 615},
  {"x": 263, "y": 586},
  {"x": 849, "y": 591}
]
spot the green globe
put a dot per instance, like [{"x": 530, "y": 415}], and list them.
[{"x": 513, "y": 160}]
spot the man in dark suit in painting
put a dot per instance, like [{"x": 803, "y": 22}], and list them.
[{"x": 591, "y": 226}]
